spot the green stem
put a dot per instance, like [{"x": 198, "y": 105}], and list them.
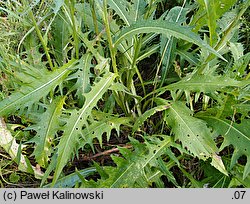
[
  {"x": 111, "y": 45},
  {"x": 94, "y": 16},
  {"x": 227, "y": 33},
  {"x": 118, "y": 95},
  {"x": 75, "y": 36},
  {"x": 248, "y": 76},
  {"x": 39, "y": 34}
]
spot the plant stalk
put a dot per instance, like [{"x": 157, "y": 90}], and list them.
[{"x": 39, "y": 34}]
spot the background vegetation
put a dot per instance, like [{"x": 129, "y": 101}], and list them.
[{"x": 128, "y": 93}]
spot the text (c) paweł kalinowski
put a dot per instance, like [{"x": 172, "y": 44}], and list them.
[{"x": 58, "y": 195}]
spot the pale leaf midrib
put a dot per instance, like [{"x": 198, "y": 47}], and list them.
[
  {"x": 127, "y": 169},
  {"x": 158, "y": 150},
  {"x": 48, "y": 129},
  {"x": 229, "y": 126},
  {"x": 36, "y": 90},
  {"x": 154, "y": 29},
  {"x": 71, "y": 134}
]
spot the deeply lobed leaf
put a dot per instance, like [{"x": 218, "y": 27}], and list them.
[
  {"x": 234, "y": 134},
  {"x": 34, "y": 89},
  {"x": 192, "y": 132},
  {"x": 131, "y": 169},
  {"x": 46, "y": 129},
  {"x": 76, "y": 121}
]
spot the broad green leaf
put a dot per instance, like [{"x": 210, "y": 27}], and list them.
[
  {"x": 192, "y": 132},
  {"x": 242, "y": 108},
  {"x": 83, "y": 11},
  {"x": 34, "y": 88},
  {"x": 61, "y": 37},
  {"x": 165, "y": 28},
  {"x": 205, "y": 83},
  {"x": 76, "y": 121},
  {"x": 241, "y": 63},
  {"x": 237, "y": 50},
  {"x": 234, "y": 134}
]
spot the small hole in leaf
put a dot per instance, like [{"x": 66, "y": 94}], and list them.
[
  {"x": 77, "y": 128},
  {"x": 242, "y": 160}
]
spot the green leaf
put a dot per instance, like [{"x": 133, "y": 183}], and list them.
[
  {"x": 57, "y": 4},
  {"x": 46, "y": 129},
  {"x": 34, "y": 88},
  {"x": 211, "y": 19},
  {"x": 83, "y": 10},
  {"x": 141, "y": 119},
  {"x": 61, "y": 36},
  {"x": 129, "y": 12},
  {"x": 234, "y": 134},
  {"x": 191, "y": 58},
  {"x": 120, "y": 8},
  {"x": 103, "y": 123},
  {"x": 82, "y": 76},
  {"x": 210, "y": 11},
  {"x": 218, "y": 164},
  {"x": 205, "y": 83},
  {"x": 70, "y": 180},
  {"x": 165, "y": 28},
  {"x": 76, "y": 121},
  {"x": 192, "y": 132},
  {"x": 168, "y": 44},
  {"x": 130, "y": 169}
]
